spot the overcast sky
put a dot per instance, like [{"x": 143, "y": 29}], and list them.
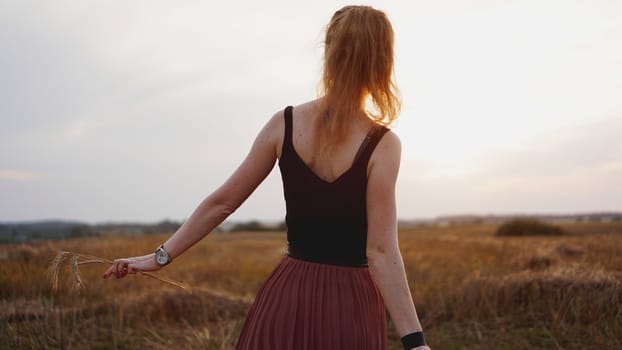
[{"x": 136, "y": 110}]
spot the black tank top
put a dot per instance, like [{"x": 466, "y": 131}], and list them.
[{"x": 326, "y": 221}]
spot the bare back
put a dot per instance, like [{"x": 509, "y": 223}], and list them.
[{"x": 306, "y": 120}]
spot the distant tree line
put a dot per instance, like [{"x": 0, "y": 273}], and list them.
[
  {"x": 19, "y": 232},
  {"x": 55, "y": 230},
  {"x": 255, "y": 225}
]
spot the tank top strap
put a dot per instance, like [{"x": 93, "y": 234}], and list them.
[
  {"x": 288, "y": 147},
  {"x": 287, "y": 138},
  {"x": 369, "y": 144}
]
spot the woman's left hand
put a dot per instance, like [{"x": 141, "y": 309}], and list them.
[{"x": 121, "y": 267}]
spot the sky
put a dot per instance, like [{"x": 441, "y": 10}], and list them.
[{"x": 137, "y": 110}]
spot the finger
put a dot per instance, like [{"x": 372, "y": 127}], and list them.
[
  {"x": 113, "y": 270},
  {"x": 121, "y": 268},
  {"x": 120, "y": 272},
  {"x": 124, "y": 268},
  {"x": 108, "y": 272}
]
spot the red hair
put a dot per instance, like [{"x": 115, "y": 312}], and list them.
[{"x": 358, "y": 71}]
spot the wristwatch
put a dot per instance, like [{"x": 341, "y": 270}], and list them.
[{"x": 161, "y": 256}]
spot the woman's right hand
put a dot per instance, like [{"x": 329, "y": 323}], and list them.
[
  {"x": 121, "y": 267},
  {"x": 424, "y": 347}
]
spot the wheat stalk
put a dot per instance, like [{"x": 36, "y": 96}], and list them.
[
  {"x": 76, "y": 275},
  {"x": 77, "y": 259}
]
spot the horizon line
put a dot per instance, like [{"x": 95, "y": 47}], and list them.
[{"x": 412, "y": 219}]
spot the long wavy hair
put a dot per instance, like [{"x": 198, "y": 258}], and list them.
[{"x": 358, "y": 72}]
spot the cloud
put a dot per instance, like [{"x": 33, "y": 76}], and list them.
[
  {"x": 18, "y": 175},
  {"x": 561, "y": 152},
  {"x": 570, "y": 169},
  {"x": 79, "y": 128}
]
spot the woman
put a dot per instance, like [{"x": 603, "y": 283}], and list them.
[{"x": 339, "y": 163}]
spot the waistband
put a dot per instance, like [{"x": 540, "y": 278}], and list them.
[{"x": 296, "y": 253}]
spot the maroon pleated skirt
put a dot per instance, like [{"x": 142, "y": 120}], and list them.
[{"x": 311, "y": 306}]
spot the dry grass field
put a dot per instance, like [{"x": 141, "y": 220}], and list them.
[{"x": 473, "y": 291}]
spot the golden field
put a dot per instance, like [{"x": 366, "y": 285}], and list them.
[{"x": 472, "y": 290}]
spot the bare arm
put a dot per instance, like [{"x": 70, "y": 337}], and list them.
[
  {"x": 385, "y": 261},
  {"x": 217, "y": 206},
  {"x": 229, "y": 196}
]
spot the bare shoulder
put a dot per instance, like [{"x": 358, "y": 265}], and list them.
[
  {"x": 388, "y": 149},
  {"x": 390, "y": 142},
  {"x": 306, "y": 107},
  {"x": 304, "y": 113},
  {"x": 384, "y": 163},
  {"x": 271, "y": 129},
  {"x": 272, "y": 132},
  {"x": 277, "y": 121}
]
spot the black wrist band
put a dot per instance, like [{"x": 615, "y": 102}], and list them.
[{"x": 413, "y": 340}]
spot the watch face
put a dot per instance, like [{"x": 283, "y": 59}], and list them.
[{"x": 161, "y": 257}]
